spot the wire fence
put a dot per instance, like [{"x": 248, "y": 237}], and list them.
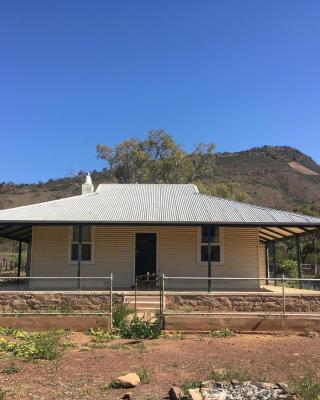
[
  {"x": 55, "y": 283},
  {"x": 277, "y": 296},
  {"x": 177, "y": 295},
  {"x": 56, "y": 295}
]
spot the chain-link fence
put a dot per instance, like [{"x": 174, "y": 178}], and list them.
[
  {"x": 56, "y": 295},
  {"x": 279, "y": 296}
]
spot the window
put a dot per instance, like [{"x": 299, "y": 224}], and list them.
[
  {"x": 215, "y": 240},
  {"x": 87, "y": 246}
]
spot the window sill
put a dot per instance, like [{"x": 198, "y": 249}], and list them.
[{"x": 82, "y": 262}]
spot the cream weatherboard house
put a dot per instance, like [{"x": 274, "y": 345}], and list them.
[{"x": 135, "y": 229}]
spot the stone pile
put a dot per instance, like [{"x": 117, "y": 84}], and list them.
[{"x": 234, "y": 390}]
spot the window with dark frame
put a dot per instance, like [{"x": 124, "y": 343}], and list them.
[
  {"x": 215, "y": 243},
  {"x": 86, "y": 247}
]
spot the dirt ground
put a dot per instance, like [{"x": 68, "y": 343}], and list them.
[{"x": 81, "y": 372}]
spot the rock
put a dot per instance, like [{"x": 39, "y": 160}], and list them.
[
  {"x": 283, "y": 386},
  {"x": 128, "y": 381},
  {"x": 195, "y": 394},
  {"x": 235, "y": 382},
  {"x": 127, "y": 396},
  {"x": 266, "y": 385},
  {"x": 176, "y": 393}
]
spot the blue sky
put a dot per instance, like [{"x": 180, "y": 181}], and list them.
[{"x": 76, "y": 73}]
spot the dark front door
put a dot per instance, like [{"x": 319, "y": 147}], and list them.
[{"x": 146, "y": 253}]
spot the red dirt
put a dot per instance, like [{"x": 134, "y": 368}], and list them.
[{"x": 80, "y": 374}]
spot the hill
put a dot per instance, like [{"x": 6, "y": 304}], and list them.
[{"x": 275, "y": 176}]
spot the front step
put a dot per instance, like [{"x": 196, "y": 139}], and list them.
[{"x": 147, "y": 304}]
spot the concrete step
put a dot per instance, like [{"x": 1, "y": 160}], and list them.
[
  {"x": 130, "y": 299},
  {"x": 144, "y": 303}
]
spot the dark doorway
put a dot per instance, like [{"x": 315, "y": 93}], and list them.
[{"x": 146, "y": 254}]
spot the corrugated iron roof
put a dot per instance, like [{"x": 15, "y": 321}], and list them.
[{"x": 151, "y": 203}]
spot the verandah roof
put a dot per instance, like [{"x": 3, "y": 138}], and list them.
[{"x": 153, "y": 204}]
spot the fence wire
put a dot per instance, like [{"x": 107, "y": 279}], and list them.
[
  {"x": 34, "y": 284},
  {"x": 56, "y": 295},
  {"x": 279, "y": 296}
]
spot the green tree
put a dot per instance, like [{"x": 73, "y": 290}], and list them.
[{"x": 157, "y": 159}]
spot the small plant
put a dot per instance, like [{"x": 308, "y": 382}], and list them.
[
  {"x": 232, "y": 374},
  {"x": 10, "y": 369},
  {"x": 2, "y": 394},
  {"x": 120, "y": 311},
  {"x": 139, "y": 328},
  {"x": 7, "y": 331},
  {"x": 187, "y": 308},
  {"x": 190, "y": 384},
  {"x": 310, "y": 333},
  {"x": 68, "y": 344},
  {"x": 140, "y": 346},
  {"x": 112, "y": 385},
  {"x": 222, "y": 333},
  {"x": 100, "y": 335},
  {"x": 308, "y": 388},
  {"x": 144, "y": 375},
  {"x": 44, "y": 346},
  {"x": 173, "y": 336}
]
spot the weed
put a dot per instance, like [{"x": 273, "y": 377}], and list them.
[
  {"x": 190, "y": 384},
  {"x": 68, "y": 344},
  {"x": 32, "y": 346},
  {"x": 232, "y": 374},
  {"x": 309, "y": 333},
  {"x": 44, "y": 346},
  {"x": 144, "y": 375},
  {"x": 139, "y": 328},
  {"x": 173, "y": 336},
  {"x": 100, "y": 335},
  {"x": 308, "y": 388},
  {"x": 222, "y": 333},
  {"x": 2, "y": 394},
  {"x": 140, "y": 346},
  {"x": 112, "y": 385},
  {"x": 120, "y": 311},
  {"x": 187, "y": 308},
  {"x": 10, "y": 369},
  {"x": 7, "y": 331},
  {"x": 174, "y": 364}
]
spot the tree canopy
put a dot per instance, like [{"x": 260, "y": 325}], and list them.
[{"x": 157, "y": 159}]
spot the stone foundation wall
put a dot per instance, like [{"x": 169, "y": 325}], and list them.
[
  {"x": 24, "y": 302},
  {"x": 242, "y": 303}
]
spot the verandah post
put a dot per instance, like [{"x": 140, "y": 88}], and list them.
[
  {"x": 283, "y": 296},
  {"x": 274, "y": 261},
  {"x": 19, "y": 258},
  {"x": 79, "y": 254},
  {"x": 209, "y": 256},
  {"x": 299, "y": 260}
]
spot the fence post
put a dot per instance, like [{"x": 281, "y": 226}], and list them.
[
  {"x": 111, "y": 305},
  {"x": 162, "y": 300},
  {"x": 135, "y": 295},
  {"x": 283, "y": 297}
]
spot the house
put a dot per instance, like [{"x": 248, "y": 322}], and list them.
[{"x": 136, "y": 229}]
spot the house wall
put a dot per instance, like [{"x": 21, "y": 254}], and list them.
[
  {"x": 178, "y": 252},
  {"x": 262, "y": 260}
]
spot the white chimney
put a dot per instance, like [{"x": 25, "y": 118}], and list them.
[{"x": 87, "y": 187}]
